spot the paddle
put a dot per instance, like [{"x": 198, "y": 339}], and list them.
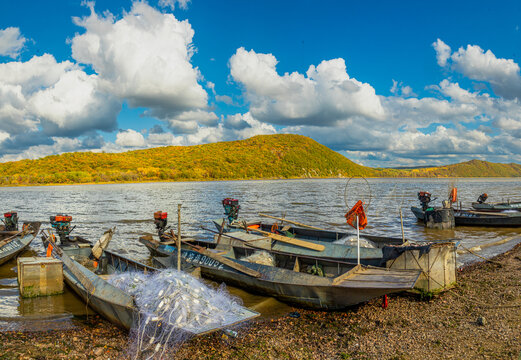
[
  {"x": 291, "y": 222},
  {"x": 286, "y": 239},
  {"x": 224, "y": 260}
]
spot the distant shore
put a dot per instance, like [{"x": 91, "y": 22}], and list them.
[
  {"x": 512, "y": 178},
  {"x": 480, "y": 318}
]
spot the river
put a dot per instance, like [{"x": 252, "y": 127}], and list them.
[{"x": 320, "y": 202}]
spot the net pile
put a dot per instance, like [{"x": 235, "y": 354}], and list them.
[
  {"x": 351, "y": 241},
  {"x": 173, "y": 307},
  {"x": 260, "y": 257}
]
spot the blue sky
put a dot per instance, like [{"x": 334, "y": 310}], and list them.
[{"x": 384, "y": 83}]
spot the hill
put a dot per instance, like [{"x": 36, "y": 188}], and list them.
[
  {"x": 259, "y": 157},
  {"x": 282, "y": 156}
]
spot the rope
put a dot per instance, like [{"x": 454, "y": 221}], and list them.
[{"x": 481, "y": 257}]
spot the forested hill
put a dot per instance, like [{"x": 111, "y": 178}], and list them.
[{"x": 281, "y": 156}]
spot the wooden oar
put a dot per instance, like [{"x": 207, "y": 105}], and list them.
[
  {"x": 286, "y": 239},
  {"x": 10, "y": 238},
  {"x": 291, "y": 222},
  {"x": 487, "y": 213},
  {"x": 224, "y": 260}
]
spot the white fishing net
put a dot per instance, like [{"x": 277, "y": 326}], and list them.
[
  {"x": 173, "y": 307},
  {"x": 351, "y": 240},
  {"x": 260, "y": 257}
]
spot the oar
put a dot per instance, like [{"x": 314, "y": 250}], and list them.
[
  {"x": 224, "y": 260},
  {"x": 286, "y": 239},
  {"x": 291, "y": 222},
  {"x": 10, "y": 238}
]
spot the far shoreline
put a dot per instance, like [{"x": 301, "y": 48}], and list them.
[{"x": 439, "y": 178}]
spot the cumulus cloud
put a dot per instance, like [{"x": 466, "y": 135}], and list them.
[
  {"x": 56, "y": 97},
  {"x": 442, "y": 52},
  {"x": 324, "y": 95},
  {"x": 476, "y": 64},
  {"x": 144, "y": 57},
  {"x": 11, "y": 42},
  {"x": 130, "y": 139}
]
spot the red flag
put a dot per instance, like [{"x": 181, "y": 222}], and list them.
[{"x": 357, "y": 210}]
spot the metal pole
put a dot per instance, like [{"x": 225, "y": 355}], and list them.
[
  {"x": 401, "y": 223},
  {"x": 358, "y": 240},
  {"x": 179, "y": 237}
]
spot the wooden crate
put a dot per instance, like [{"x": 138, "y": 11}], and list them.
[{"x": 40, "y": 276}]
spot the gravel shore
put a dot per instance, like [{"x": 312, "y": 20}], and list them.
[{"x": 479, "y": 319}]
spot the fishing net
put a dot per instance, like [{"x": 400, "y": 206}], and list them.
[
  {"x": 351, "y": 240},
  {"x": 173, "y": 307},
  {"x": 260, "y": 257}
]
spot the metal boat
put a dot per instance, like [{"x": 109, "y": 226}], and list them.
[
  {"x": 13, "y": 244},
  {"x": 111, "y": 302},
  {"x": 291, "y": 279}
]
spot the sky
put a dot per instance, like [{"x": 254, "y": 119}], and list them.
[{"x": 387, "y": 84}]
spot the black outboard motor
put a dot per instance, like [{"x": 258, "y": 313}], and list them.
[
  {"x": 62, "y": 225},
  {"x": 482, "y": 198},
  {"x": 161, "y": 220},
  {"x": 231, "y": 209},
  {"x": 11, "y": 221},
  {"x": 425, "y": 199}
]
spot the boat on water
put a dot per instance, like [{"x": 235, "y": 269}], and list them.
[
  {"x": 89, "y": 281},
  {"x": 495, "y": 206},
  {"x": 337, "y": 246},
  {"x": 11, "y": 245},
  {"x": 304, "y": 281},
  {"x": 463, "y": 217}
]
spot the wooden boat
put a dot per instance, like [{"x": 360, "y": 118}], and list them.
[
  {"x": 109, "y": 301},
  {"x": 497, "y": 206},
  {"x": 14, "y": 244},
  {"x": 479, "y": 218},
  {"x": 261, "y": 237},
  {"x": 343, "y": 285},
  {"x": 325, "y": 240}
]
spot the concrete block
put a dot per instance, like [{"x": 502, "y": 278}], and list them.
[{"x": 40, "y": 276}]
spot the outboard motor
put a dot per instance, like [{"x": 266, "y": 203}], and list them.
[
  {"x": 161, "y": 220},
  {"x": 11, "y": 221},
  {"x": 482, "y": 198},
  {"x": 62, "y": 225},
  {"x": 425, "y": 199},
  {"x": 231, "y": 209}
]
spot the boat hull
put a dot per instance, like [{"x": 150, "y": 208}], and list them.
[
  {"x": 16, "y": 246},
  {"x": 299, "y": 288}
]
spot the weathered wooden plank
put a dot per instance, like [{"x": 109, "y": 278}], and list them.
[{"x": 286, "y": 239}]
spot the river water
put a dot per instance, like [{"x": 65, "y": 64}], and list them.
[{"x": 320, "y": 202}]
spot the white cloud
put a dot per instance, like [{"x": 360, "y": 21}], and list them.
[
  {"x": 183, "y": 4},
  {"x": 323, "y": 96},
  {"x": 57, "y": 97},
  {"x": 144, "y": 57},
  {"x": 130, "y": 139},
  {"x": 75, "y": 105},
  {"x": 476, "y": 64},
  {"x": 11, "y": 42},
  {"x": 442, "y": 52}
]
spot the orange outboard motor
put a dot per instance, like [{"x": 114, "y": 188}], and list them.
[
  {"x": 482, "y": 198},
  {"x": 453, "y": 197},
  {"x": 357, "y": 210}
]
